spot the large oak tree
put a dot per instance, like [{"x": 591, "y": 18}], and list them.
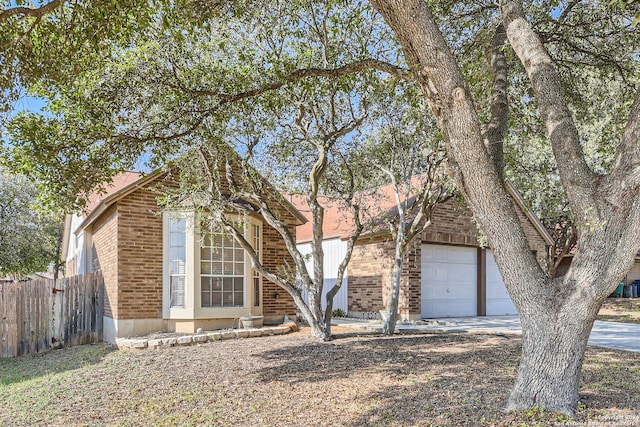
[
  {"x": 492, "y": 73},
  {"x": 556, "y": 313}
]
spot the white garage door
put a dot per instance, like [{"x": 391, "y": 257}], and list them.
[
  {"x": 449, "y": 277},
  {"x": 498, "y": 301}
]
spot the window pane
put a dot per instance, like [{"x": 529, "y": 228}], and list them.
[
  {"x": 177, "y": 225},
  {"x": 205, "y": 284},
  {"x": 206, "y": 299},
  {"x": 205, "y": 267},
  {"x": 177, "y": 253},
  {"x": 216, "y": 299},
  {"x": 177, "y": 267},
  {"x": 227, "y": 299},
  {"x": 216, "y": 268},
  {"x": 178, "y": 239},
  {"x": 216, "y": 284},
  {"x": 176, "y": 259},
  {"x": 205, "y": 254},
  {"x": 239, "y": 269},
  {"x": 223, "y": 263},
  {"x": 177, "y": 291},
  {"x": 227, "y": 268},
  {"x": 256, "y": 291},
  {"x": 238, "y": 299}
]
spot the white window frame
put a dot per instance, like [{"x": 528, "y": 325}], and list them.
[
  {"x": 186, "y": 312},
  {"x": 229, "y": 256}
]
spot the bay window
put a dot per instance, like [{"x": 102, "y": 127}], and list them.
[{"x": 210, "y": 275}]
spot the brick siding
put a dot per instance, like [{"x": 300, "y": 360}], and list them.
[
  {"x": 139, "y": 256},
  {"x": 274, "y": 255},
  {"x": 105, "y": 241}
]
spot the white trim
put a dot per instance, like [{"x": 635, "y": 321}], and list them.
[{"x": 169, "y": 312}]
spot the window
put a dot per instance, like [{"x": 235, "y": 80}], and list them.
[
  {"x": 221, "y": 271},
  {"x": 177, "y": 261},
  {"x": 208, "y": 277}
]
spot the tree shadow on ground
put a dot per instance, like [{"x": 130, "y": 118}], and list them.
[
  {"x": 453, "y": 379},
  {"x": 442, "y": 377},
  {"x": 320, "y": 361},
  {"x": 24, "y": 368}
]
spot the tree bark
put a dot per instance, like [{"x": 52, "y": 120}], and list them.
[
  {"x": 553, "y": 348},
  {"x": 389, "y": 326},
  {"x": 496, "y": 129}
]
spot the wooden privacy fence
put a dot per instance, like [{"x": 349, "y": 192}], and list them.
[{"x": 38, "y": 315}]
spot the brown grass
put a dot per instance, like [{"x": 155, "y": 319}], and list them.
[{"x": 293, "y": 380}]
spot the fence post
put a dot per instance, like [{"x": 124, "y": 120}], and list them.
[{"x": 56, "y": 312}]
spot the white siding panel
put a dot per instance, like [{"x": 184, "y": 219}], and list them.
[{"x": 334, "y": 251}]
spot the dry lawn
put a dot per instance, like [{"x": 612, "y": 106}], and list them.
[
  {"x": 625, "y": 310},
  {"x": 293, "y": 380}
]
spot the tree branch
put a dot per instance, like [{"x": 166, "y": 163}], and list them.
[
  {"x": 38, "y": 12},
  {"x": 577, "y": 178},
  {"x": 626, "y": 166},
  {"x": 496, "y": 130},
  {"x": 352, "y": 68}
]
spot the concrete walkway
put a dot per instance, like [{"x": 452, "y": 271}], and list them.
[{"x": 620, "y": 336}]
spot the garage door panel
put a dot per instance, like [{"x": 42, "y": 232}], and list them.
[
  {"x": 498, "y": 301},
  {"x": 450, "y": 308},
  {"x": 449, "y": 275}
]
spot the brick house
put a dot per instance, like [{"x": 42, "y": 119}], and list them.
[
  {"x": 447, "y": 273},
  {"x": 160, "y": 275}
]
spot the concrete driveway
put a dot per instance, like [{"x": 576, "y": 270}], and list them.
[{"x": 620, "y": 336}]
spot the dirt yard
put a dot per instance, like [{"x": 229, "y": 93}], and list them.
[{"x": 293, "y": 380}]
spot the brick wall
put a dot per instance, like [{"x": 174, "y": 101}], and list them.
[
  {"x": 105, "y": 241},
  {"x": 273, "y": 255},
  {"x": 536, "y": 242},
  {"x": 369, "y": 278},
  {"x": 451, "y": 224},
  {"x": 139, "y": 256},
  {"x": 411, "y": 289},
  {"x": 369, "y": 269}
]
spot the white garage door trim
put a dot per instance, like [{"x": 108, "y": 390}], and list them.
[
  {"x": 449, "y": 281},
  {"x": 498, "y": 301}
]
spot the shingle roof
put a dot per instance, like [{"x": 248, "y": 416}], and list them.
[{"x": 119, "y": 182}]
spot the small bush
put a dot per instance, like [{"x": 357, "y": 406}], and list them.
[{"x": 338, "y": 312}]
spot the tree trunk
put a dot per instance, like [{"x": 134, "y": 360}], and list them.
[
  {"x": 389, "y": 326},
  {"x": 553, "y": 347},
  {"x": 318, "y": 329},
  {"x": 557, "y": 314}
]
